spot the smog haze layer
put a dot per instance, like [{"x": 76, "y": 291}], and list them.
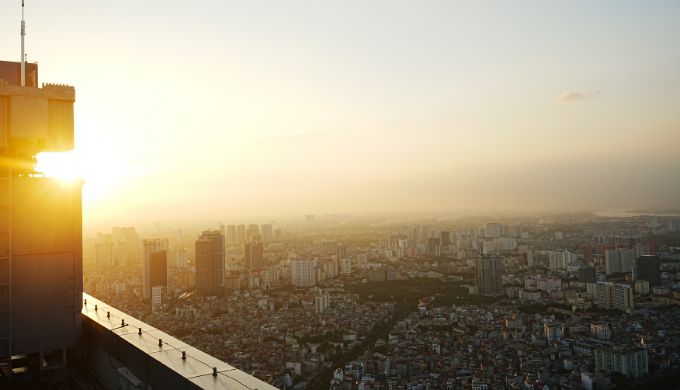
[{"x": 236, "y": 109}]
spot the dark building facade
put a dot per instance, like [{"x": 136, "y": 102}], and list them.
[
  {"x": 210, "y": 263},
  {"x": 254, "y": 256},
  {"x": 488, "y": 275},
  {"x": 41, "y": 280},
  {"x": 158, "y": 269},
  {"x": 446, "y": 238},
  {"x": 647, "y": 267},
  {"x": 587, "y": 252},
  {"x": 587, "y": 274}
]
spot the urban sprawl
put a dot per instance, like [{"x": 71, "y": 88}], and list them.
[{"x": 552, "y": 302}]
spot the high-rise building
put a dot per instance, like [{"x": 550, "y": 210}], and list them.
[
  {"x": 529, "y": 257},
  {"x": 600, "y": 331},
  {"x": 587, "y": 252},
  {"x": 41, "y": 280},
  {"x": 559, "y": 259},
  {"x": 346, "y": 266},
  {"x": 619, "y": 260},
  {"x": 241, "y": 234},
  {"x": 210, "y": 255},
  {"x": 527, "y": 254},
  {"x": 434, "y": 246},
  {"x": 647, "y": 268},
  {"x": 426, "y": 231},
  {"x": 126, "y": 244},
  {"x": 254, "y": 256},
  {"x": 155, "y": 271},
  {"x": 231, "y": 234},
  {"x": 587, "y": 274},
  {"x": 342, "y": 252},
  {"x": 182, "y": 258},
  {"x": 614, "y": 296},
  {"x": 321, "y": 303},
  {"x": 630, "y": 361},
  {"x": 446, "y": 238},
  {"x": 303, "y": 273},
  {"x": 253, "y": 233},
  {"x": 488, "y": 275},
  {"x": 103, "y": 255},
  {"x": 493, "y": 230},
  {"x": 158, "y": 269},
  {"x": 267, "y": 233}
]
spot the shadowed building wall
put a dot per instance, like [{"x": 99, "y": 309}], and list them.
[
  {"x": 210, "y": 263},
  {"x": 40, "y": 222}
]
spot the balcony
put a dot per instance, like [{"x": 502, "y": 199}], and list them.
[{"x": 127, "y": 353}]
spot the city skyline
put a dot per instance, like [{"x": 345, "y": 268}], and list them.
[
  {"x": 266, "y": 110},
  {"x": 343, "y": 196}
]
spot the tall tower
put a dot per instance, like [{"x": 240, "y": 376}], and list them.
[
  {"x": 41, "y": 280},
  {"x": 241, "y": 234},
  {"x": 254, "y": 256},
  {"x": 488, "y": 275},
  {"x": 303, "y": 273},
  {"x": 103, "y": 256},
  {"x": 610, "y": 295},
  {"x": 648, "y": 269},
  {"x": 267, "y": 232},
  {"x": 210, "y": 263},
  {"x": 230, "y": 238},
  {"x": 155, "y": 271}
]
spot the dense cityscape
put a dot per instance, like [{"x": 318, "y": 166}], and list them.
[{"x": 332, "y": 301}]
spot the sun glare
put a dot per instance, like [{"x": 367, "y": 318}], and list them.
[
  {"x": 95, "y": 168},
  {"x": 63, "y": 166}
]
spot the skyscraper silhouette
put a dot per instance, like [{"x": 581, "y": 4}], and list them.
[
  {"x": 210, "y": 263},
  {"x": 488, "y": 275},
  {"x": 41, "y": 279},
  {"x": 254, "y": 256}
]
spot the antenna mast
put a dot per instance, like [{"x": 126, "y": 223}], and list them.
[{"x": 23, "y": 54}]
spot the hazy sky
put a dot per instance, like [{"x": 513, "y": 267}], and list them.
[{"x": 223, "y": 109}]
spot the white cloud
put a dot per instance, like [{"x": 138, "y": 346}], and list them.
[{"x": 572, "y": 96}]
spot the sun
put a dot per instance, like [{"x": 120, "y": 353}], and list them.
[
  {"x": 63, "y": 166},
  {"x": 96, "y": 169}
]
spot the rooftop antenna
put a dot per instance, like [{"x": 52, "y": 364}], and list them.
[{"x": 23, "y": 54}]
